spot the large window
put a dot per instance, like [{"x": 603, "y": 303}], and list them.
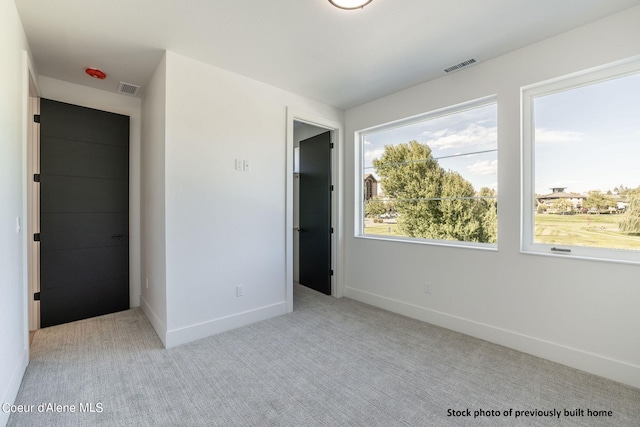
[
  {"x": 581, "y": 148},
  {"x": 432, "y": 178}
]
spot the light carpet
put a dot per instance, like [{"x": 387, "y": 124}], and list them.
[{"x": 332, "y": 362}]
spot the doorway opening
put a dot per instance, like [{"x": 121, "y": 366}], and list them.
[
  {"x": 313, "y": 220},
  {"x": 312, "y": 187},
  {"x": 79, "y": 206}
]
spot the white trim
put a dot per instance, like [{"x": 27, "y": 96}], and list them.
[
  {"x": 33, "y": 213},
  {"x": 359, "y": 137},
  {"x": 424, "y": 241},
  {"x": 586, "y": 77},
  {"x": 30, "y": 222},
  {"x": 203, "y": 330},
  {"x": 29, "y": 89},
  {"x": 616, "y": 370},
  {"x": 433, "y": 114},
  {"x": 337, "y": 217},
  {"x": 158, "y": 325},
  {"x": 583, "y": 78}
]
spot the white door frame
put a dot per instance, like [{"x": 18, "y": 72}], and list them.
[
  {"x": 31, "y": 191},
  {"x": 337, "y": 215}
]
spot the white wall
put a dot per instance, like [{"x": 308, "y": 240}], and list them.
[
  {"x": 581, "y": 313},
  {"x": 84, "y": 96},
  {"x": 153, "y": 248},
  {"x": 224, "y": 227},
  {"x": 14, "y": 351}
]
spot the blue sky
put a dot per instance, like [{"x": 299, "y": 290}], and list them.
[
  {"x": 468, "y": 131},
  {"x": 588, "y": 138}
]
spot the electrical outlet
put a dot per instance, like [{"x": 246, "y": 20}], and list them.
[
  {"x": 239, "y": 164},
  {"x": 246, "y": 166},
  {"x": 239, "y": 290},
  {"x": 427, "y": 288}
]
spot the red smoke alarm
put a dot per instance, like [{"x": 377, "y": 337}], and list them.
[{"x": 95, "y": 73}]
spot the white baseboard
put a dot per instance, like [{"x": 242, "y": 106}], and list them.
[
  {"x": 134, "y": 300},
  {"x": 202, "y": 330},
  {"x": 616, "y": 370},
  {"x": 10, "y": 393},
  {"x": 159, "y": 326}
]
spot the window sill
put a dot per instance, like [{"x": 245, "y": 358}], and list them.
[
  {"x": 626, "y": 257},
  {"x": 446, "y": 243}
]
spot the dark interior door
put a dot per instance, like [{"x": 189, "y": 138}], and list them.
[
  {"x": 84, "y": 212},
  {"x": 315, "y": 213}
]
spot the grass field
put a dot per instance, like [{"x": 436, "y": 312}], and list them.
[
  {"x": 599, "y": 231},
  {"x": 381, "y": 229}
]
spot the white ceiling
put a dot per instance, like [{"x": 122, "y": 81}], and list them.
[{"x": 342, "y": 58}]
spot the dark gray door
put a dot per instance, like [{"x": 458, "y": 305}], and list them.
[
  {"x": 84, "y": 212},
  {"x": 315, "y": 213}
]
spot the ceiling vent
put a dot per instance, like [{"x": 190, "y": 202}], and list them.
[
  {"x": 460, "y": 65},
  {"x": 128, "y": 89}
]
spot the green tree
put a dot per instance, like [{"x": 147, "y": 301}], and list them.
[
  {"x": 490, "y": 215},
  {"x": 562, "y": 206},
  {"x": 374, "y": 207},
  {"x": 621, "y": 190},
  {"x": 431, "y": 202},
  {"x": 598, "y": 200},
  {"x": 540, "y": 207},
  {"x": 631, "y": 221}
]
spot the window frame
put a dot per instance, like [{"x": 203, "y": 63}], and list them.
[
  {"x": 359, "y": 138},
  {"x": 528, "y": 93}
]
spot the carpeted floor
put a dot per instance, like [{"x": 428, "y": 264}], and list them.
[{"x": 329, "y": 363}]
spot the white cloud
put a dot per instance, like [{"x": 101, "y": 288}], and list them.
[
  {"x": 369, "y": 155},
  {"x": 472, "y": 134},
  {"x": 484, "y": 167},
  {"x": 435, "y": 134},
  {"x": 557, "y": 136}
]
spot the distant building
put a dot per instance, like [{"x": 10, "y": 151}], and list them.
[
  {"x": 621, "y": 202},
  {"x": 370, "y": 187},
  {"x": 557, "y": 193}
]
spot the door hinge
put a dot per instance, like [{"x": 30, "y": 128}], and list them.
[
  {"x": 36, "y": 118},
  {"x": 36, "y": 177},
  {"x": 331, "y": 271},
  {"x": 331, "y": 145},
  {"x": 331, "y": 188},
  {"x": 36, "y": 237},
  {"x": 36, "y": 296},
  {"x": 331, "y": 230}
]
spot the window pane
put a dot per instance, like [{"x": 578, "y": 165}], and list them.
[
  {"x": 434, "y": 178},
  {"x": 587, "y": 165}
]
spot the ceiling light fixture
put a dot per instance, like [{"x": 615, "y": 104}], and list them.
[
  {"x": 350, "y": 4},
  {"x": 95, "y": 73}
]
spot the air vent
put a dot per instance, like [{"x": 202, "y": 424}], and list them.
[
  {"x": 460, "y": 65},
  {"x": 128, "y": 89}
]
